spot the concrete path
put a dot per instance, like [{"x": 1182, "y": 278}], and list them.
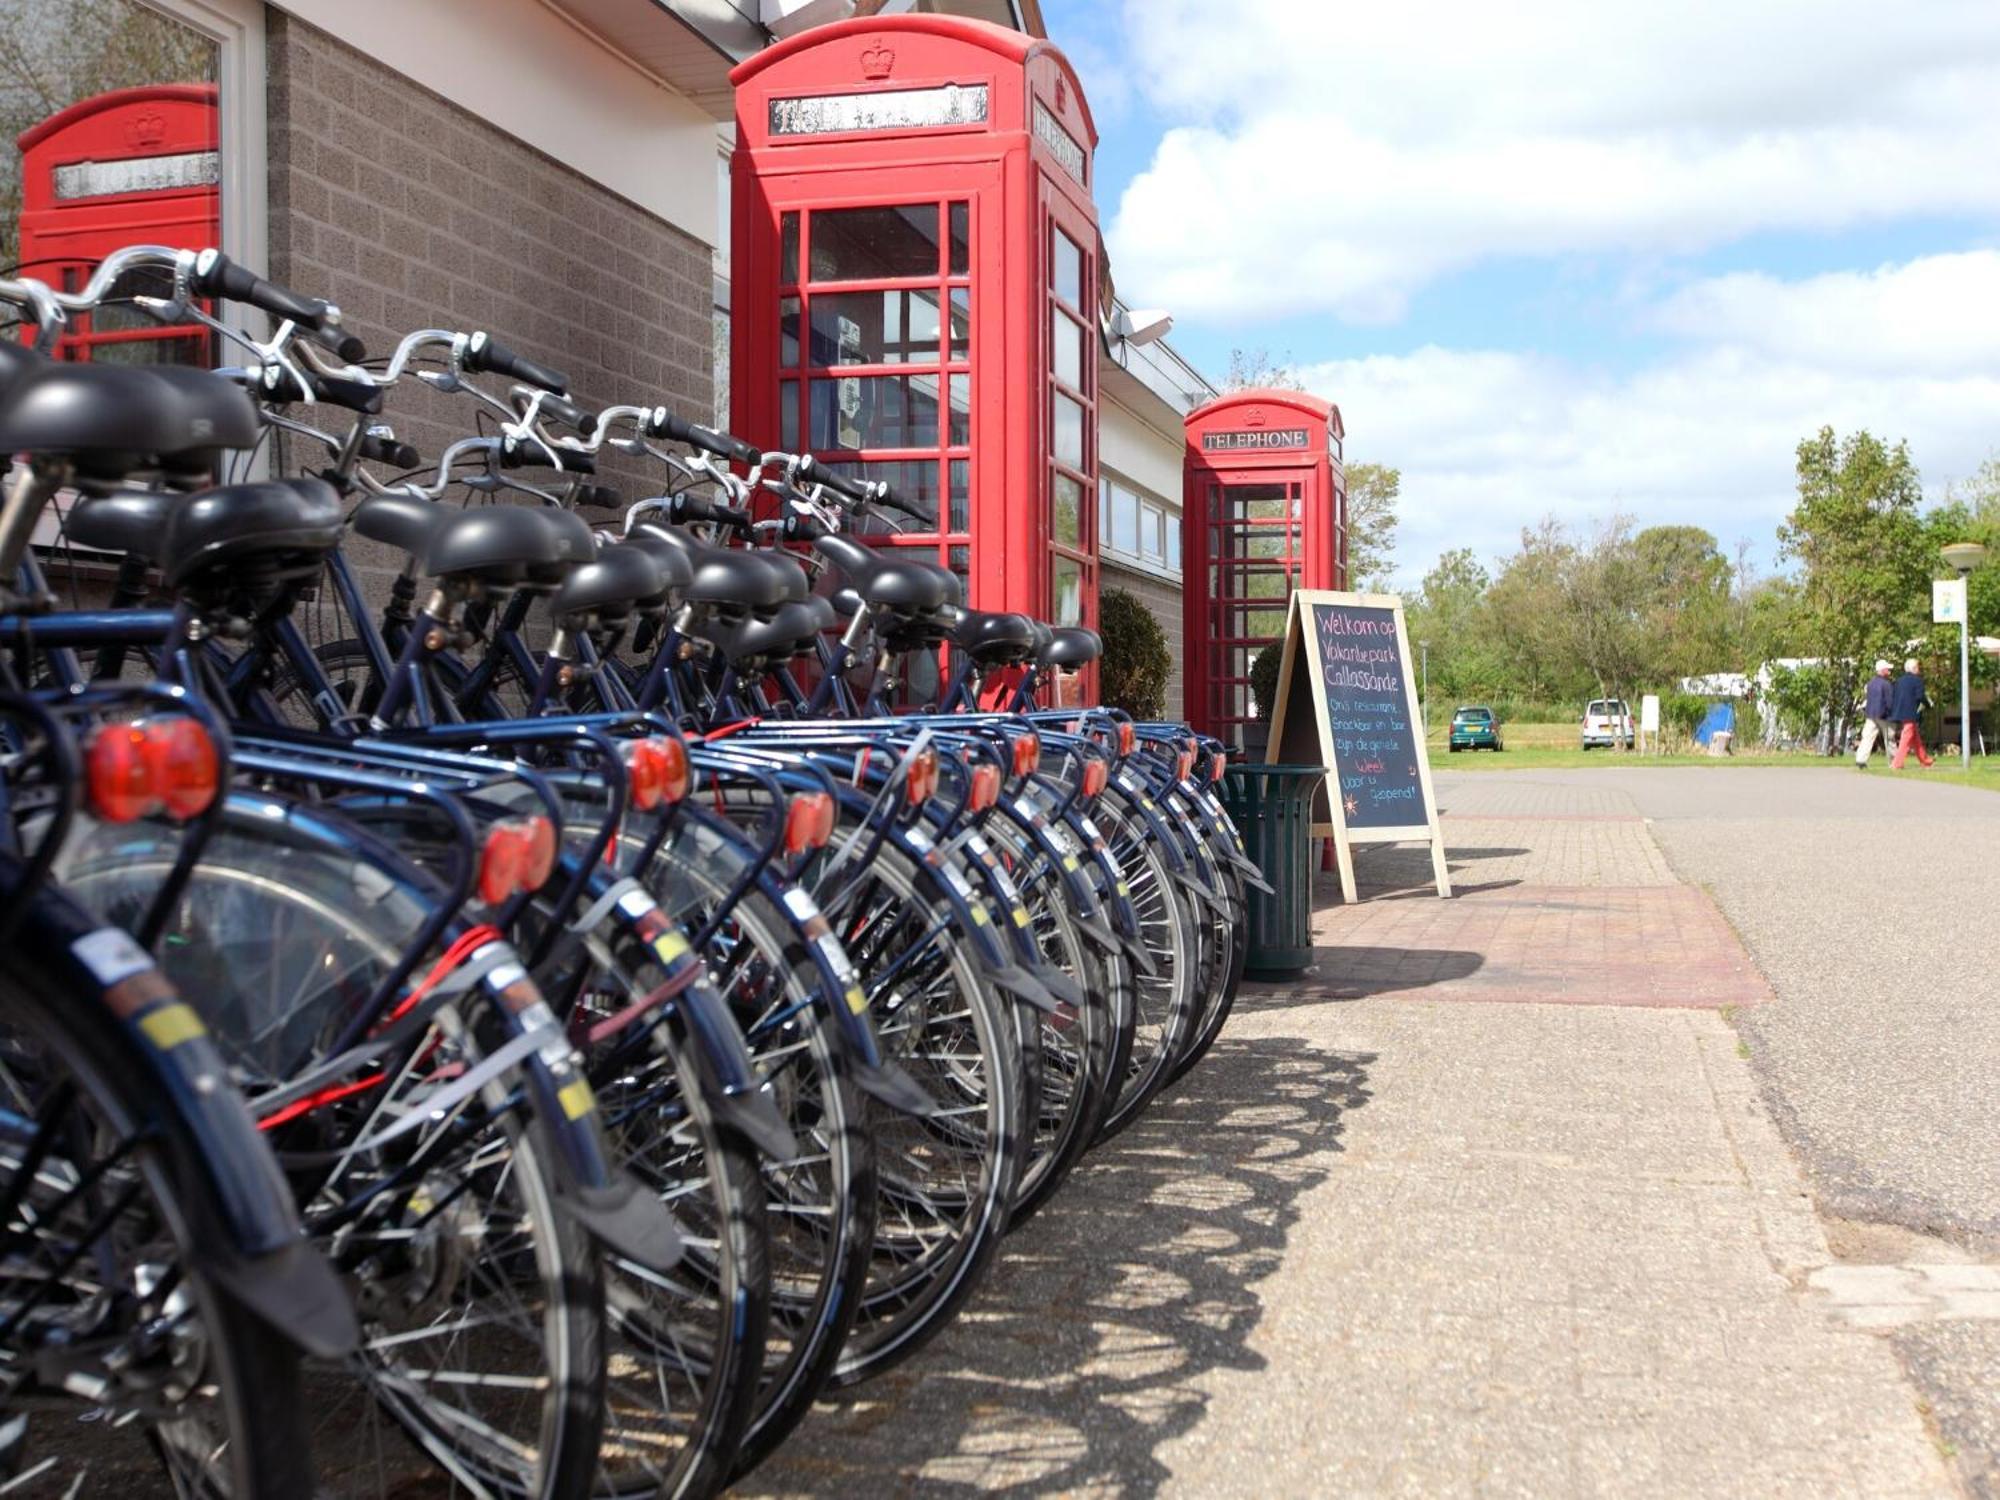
[
  {"x": 1438, "y": 1220},
  {"x": 1868, "y": 903}
]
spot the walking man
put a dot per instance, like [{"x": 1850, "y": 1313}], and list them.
[
  {"x": 1875, "y": 709},
  {"x": 1906, "y": 706}
]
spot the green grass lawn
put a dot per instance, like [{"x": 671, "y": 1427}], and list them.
[{"x": 1553, "y": 747}]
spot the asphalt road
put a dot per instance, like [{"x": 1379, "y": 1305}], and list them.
[{"x": 1869, "y": 903}]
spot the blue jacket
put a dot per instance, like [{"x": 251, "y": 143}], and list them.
[
  {"x": 1879, "y": 690},
  {"x": 1907, "y": 702}
]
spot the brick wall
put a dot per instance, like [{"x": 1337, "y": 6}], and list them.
[
  {"x": 410, "y": 213},
  {"x": 1163, "y": 599}
]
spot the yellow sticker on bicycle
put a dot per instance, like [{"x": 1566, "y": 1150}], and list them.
[
  {"x": 856, "y": 1001},
  {"x": 1020, "y": 916},
  {"x": 576, "y": 1099},
  {"x": 671, "y": 947},
  {"x": 170, "y": 1025},
  {"x": 978, "y": 915},
  {"x": 1069, "y": 863},
  {"x": 1124, "y": 889}
]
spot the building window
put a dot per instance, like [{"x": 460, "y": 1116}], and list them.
[
  {"x": 1139, "y": 528},
  {"x": 1072, "y": 430},
  {"x": 875, "y": 348}
]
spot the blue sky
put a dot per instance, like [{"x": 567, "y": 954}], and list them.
[{"x": 1563, "y": 258}]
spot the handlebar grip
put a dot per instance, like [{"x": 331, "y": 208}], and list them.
[
  {"x": 688, "y": 508},
  {"x": 803, "y": 529},
  {"x": 354, "y": 395},
  {"x": 890, "y": 500},
  {"x": 556, "y": 409},
  {"x": 216, "y": 275},
  {"x": 602, "y": 496},
  {"x": 486, "y": 354},
  {"x": 664, "y": 423},
  {"x": 515, "y": 454},
  {"x": 387, "y": 450},
  {"x": 840, "y": 484},
  {"x": 346, "y": 347}
]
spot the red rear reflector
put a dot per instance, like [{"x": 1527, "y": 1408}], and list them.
[
  {"x": 164, "y": 765},
  {"x": 1218, "y": 766},
  {"x": 123, "y": 780},
  {"x": 1096, "y": 775},
  {"x": 923, "y": 777},
  {"x": 1184, "y": 765},
  {"x": 188, "y": 770},
  {"x": 677, "y": 775},
  {"x": 519, "y": 855},
  {"x": 808, "y": 822},
  {"x": 985, "y": 787},
  {"x": 1128, "y": 738},
  {"x": 1027, "y": 753}
]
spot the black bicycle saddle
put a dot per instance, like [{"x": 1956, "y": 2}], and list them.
[
  {"x": 236, "y": 533},
  {"x": 993, "y": 638},
  {"x": 113, "y": 419},
  {"x": 886, "y": 583},
  {"x": 133, "y": 522},
  {"x": 1072, "y": 647},
  {"x": 618, "y": 581}
]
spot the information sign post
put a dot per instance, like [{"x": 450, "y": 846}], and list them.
[{"x": 1347, "y": 698}]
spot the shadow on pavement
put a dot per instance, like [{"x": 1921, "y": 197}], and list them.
[
  {"x": 1355, "y": 973},
  {"x": 1082, "y": 1356}
]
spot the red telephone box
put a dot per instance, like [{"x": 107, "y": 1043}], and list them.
[
  {"x": 133, "y": 166},
  {"x": 1264, "y": 511},
  {"x": 915, "y": 288}
]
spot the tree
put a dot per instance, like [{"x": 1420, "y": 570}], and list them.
[
  {"x": 1864, "y": 587},
  {"x": 1372, "y": 493},
  {"x": 1254, "y": 369},
  {"x": 1524, "y": 615},
  {"x": 1684, "y": 599},
  {"x": 1602, "y": 589}
]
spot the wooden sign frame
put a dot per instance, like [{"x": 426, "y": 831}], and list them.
[{"x": 1329, "y": 810}]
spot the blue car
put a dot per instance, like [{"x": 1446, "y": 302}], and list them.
[{"x": 1474, "y": 728}]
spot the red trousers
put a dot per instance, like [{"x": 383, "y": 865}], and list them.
[{"x": 1911, "y": 740}]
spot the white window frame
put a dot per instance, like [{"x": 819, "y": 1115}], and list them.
[
  {"x": 1134, "y": 560},
  {"x": 237, "y": 27}
]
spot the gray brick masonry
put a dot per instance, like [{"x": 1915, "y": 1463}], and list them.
[{"x": 410, "y": 213}]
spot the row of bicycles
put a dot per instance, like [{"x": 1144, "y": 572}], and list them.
[{"x": 532, "y": 1033}]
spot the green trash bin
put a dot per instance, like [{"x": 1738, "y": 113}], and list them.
[{"x": 1271, "y": 807}]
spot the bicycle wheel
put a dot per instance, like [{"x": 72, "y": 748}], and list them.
[
  {"x": 1075, "y": 1052},
  {"x": 1165, "y": 1000},
  {"x": 480, "y": 1300},
  {"x": 821, "y": 1205},
  {"x": 128, "y": 1368},
  {"x": 686, "y": 1346},
  {"x": 947, "y": 1181}
]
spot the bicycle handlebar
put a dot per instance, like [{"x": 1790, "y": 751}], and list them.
[
  {"x": 663, "y": 423},
  {"x": 486, "y": 354}
]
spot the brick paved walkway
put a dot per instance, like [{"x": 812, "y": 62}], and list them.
[{"x": 1381, "y": 1245}]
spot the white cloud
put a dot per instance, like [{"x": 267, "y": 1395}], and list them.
[
  {"x": 1343, "y": 157},
  {"x": 1939, "y": 315},
  {"x": 1490, "y": 440}
]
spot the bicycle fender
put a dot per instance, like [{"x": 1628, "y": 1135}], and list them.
[{"x": 263, "y": 1260}]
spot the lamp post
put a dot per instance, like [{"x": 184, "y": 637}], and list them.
[
  {"x": 1963, "y": 558},
  {"x": 1424, "y": 699}
]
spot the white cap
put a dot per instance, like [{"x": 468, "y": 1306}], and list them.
[{"x": 1883, "y": 666}]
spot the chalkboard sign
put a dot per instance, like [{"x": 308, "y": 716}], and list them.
[{"x": 1349, "y": 657}]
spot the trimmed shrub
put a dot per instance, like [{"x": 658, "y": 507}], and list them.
[
  {"x": 1264, "y": 678},
  {"x": 1137, "y": 662}
]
